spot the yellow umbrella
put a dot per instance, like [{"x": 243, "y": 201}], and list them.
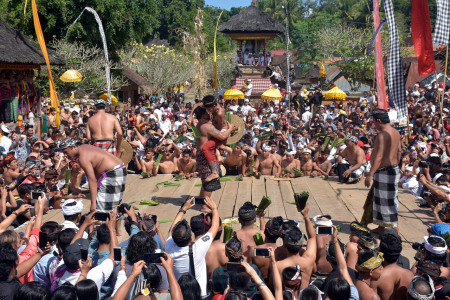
[
  {"x": 272, "y": 95},
  {"x": 71, "y": 76},
  {"x": 233, "y": 94},
  {"x": 113, "y": 99},
  {"x": 335, "y": 94}
]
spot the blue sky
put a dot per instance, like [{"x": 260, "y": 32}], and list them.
[{"x": 227, "y": 4}]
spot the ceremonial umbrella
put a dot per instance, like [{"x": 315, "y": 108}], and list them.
[
  {"x": 335, "y": 94},
  {"x": 233, "y": 94},
  {"x": 272, "y": 95},
  {"x": 71, "y": 75},
  {"x": 113, "y": 98}
]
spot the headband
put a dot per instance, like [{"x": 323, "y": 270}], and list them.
[
  {"x": 352, "y": 138},
  {"x": 320, "y": 220},
  {"x": 432, "y": 249},
  {"x": 266, "y": 148},
  {"x": 413, "y": 293},
  {"x": 370, "y": 264}
]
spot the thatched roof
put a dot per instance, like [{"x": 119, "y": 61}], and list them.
[
  {"x": 17, "y": 48},
  {"x": 137, "y": 79},
  {"x": 251, "y": 20}
]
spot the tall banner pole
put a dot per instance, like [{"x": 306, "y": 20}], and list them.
[
  {"x": 215, "y": 79},
  {"x": 379, "y": 68}
]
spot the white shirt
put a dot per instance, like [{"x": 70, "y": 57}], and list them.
[
  {"x": 180, "y": 256},
  {"x": 177, "y": 124},
  {"x": 165, "y": 125},
  {"x": 411, "y": 184},
  {"x": 5, "y": 142},
  {"x": 234, "y": 107},
  {"x": 158, "y": 113},
  {"x": 276, "y": 75},
  {"x": 246, "y": 108},
  {"x": 261, "y": 61},
  {"x": 306, "y": 116},
  {"x": 248, "y": 93},
  {"x": 31, "y": 118},
  {"x": 69, "y": 224},
  {"x": 249, "y": 61},
  {"x": 99, "y": 274},
  {"x": 72, "y": 109}
]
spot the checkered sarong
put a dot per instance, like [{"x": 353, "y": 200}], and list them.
[
  {"x": 354, "y": 176},
  {"x": 107, "y": 145},
  {"x": 110, "y": 188},
  {"x": 442, "y": 27},
  {"x": 394, "y": 63},
  {"x": 259, "y": 85},
  {"x": 385, "y": 200},
  {"x": 204, "y": 171}
]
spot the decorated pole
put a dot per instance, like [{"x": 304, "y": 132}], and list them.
[
  {"x": 288, "y": 81},
  {"x": 105, "y": 47},
  {"x": 215, "y": 79},
  {"x": 381, "y": 85}
]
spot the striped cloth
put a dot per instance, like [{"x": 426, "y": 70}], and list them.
[
  {"x": 385, "y": 196},
  {"x": 259, "y": 85},
  {"x": 442, "y": 27},
  {"x": 110, "y": 188},
  {"x": 394, "y": 62}
]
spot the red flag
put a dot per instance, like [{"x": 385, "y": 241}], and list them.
[
  {"x": 379, "y": 68},
  {"x": 421, "y": 35}
]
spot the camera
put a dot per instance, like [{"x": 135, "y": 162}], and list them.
[
  {"x": 417, "y": 246},
  {"x": 122, "y": 207}
]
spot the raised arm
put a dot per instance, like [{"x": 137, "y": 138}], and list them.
[
  {"x": 342, "y": 265},
  {"x": 311, "y": 248},
  {"x": 180, "y": 215}
]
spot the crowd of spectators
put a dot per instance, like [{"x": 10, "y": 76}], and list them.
[{"x": 81, "y": 258}]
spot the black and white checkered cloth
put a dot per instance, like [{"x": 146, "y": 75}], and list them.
[
  {"x": 385, "y": 196},
  {"x": 394, "y": 62},
  {"x": 442, "y": 27},
  {"x": 110, "y": 188}
]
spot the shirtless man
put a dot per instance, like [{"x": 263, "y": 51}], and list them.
[
  {"x": 64, "y": 116},
  {"x": 324, "y": 267},
  {"x": 234, "y": 162},
  {"x": 207, "y": 131},
  {"x": 146, "y": 164},
  {"x": 290, "y": 162},
  {"x": 272, "y": 232},
  {"x": 351, "y": 161},
  {"x": 186, "y": 164},
  {"x": 215, "y": 257},
  {"x": 370, "y": 268},
  {"x": 394, "y": 281},
  {"x": 273, "y": 150},
  {"x": 52, "y": 117},
  {"x": 100, "y": 129},
  {"x": 266, "y": 163},
  {"x": 306, "y": 162},
  {"x": 105, "y": 172},
  {"x": 293, "y": 242},
  {"x": 168, "y": 163},
  {"x": 321, "y": 165},
  {"x": 218, "y": 124},
  {"x": 385, "y": 172},
  {"x": 76, "y": 175},
  {"x": 11, "y": 168},
  {"x": 247, "y": 219}
]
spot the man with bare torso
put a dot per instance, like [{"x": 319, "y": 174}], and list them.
[
  {"x": 100, "y": 129},
  {"x": 289, "y": 162},
  {"x": 105, "y": 172},
  {"x": 306, "y": 162},
  {"x": 235, "y": 160},
  {"x": 385, "y": 172},
  {"x": 207, "y": 130},
  {"x": 169, "y": 160},
  {"x": 351, "y": 161},
  {"x": 247, "y": 218},
  {"x": 266, "y": 163},
  {"x": 186, "y": 164},
  {"x": 322, "y": 166},
  {"x": 219, "y": 125}
]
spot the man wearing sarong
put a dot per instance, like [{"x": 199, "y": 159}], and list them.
[
  {"x": 385, "y": 173},
  {"x": 105, "y": 172},
  {"x": 351, "y": 162},
  {"x": 207, "y": 131},
  {"x": 218, "y": 126},
  {"x": 100, "y": 129}
]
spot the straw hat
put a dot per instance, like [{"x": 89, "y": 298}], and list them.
[{"x": 236, "y": 135}]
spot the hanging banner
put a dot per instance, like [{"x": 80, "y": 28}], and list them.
[
  {"x": 421, "y": 35},
  {"x": 395, "y": 68},
  {"x": 379, "y": 67},
  {"x": 442, "y": 27},
  {"x": 105, "y": 47},
  {"x": 215, "y": 79},
  {"x": 40, "y": 37}
]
